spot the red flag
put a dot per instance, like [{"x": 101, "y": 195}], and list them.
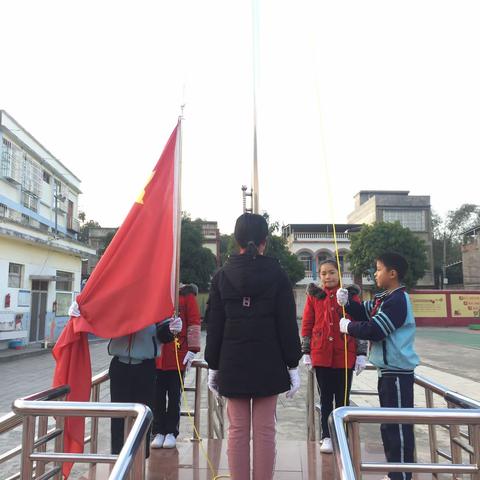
[{"x": 132, "y": 286}]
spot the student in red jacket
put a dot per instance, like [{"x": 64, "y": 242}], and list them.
[
  {"x": 167, "y": 384},
  {"x": 323, "y": 344}
]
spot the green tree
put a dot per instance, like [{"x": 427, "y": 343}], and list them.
[
  {"x": 372, "y": 240},
  {"x": 197, "y": 263},
  {"x": 84, "y": 226},
  {"x": 108, "y": 238},
  {"x": 447, "y": 241}
]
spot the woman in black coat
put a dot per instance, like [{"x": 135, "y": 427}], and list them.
[{"x": 253, "y": 347}]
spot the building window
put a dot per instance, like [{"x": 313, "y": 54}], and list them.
[
  {"x": 46, "y": 177},
  {"x": 306, "y": 259},
  {"x": 15, "y": 275},
  {"x": 64, "y": 282},
  {"x": 64, "y": 295},
  {"x": 30, "y": 201},
  {"x": 25, "y": 219},
  {"x": 3, "y": 210},
  {"x": 412, "y": 219}
]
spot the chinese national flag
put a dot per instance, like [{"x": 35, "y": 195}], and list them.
[{"x": 132, "y": 286}]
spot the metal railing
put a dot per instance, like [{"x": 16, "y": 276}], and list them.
[
  {"x": 215, "y": 420},
  {"x": 346, "y": 421},
  {"x": 459, "y": 441},
  {"x": 13, "y": 420},
  {"x": 131, "y": 457}
]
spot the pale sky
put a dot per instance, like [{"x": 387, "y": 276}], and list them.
[{"x": 391, "y": 89}]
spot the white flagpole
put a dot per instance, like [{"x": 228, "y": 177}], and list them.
[
  {"x": 255, "y": 189},
  {"x": 178, "y": 186}
]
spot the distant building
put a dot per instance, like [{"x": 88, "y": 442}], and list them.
[
  {"x": 471, "y": 258},
  {"x": 412, "y": 211},
  {"x": 40, "y": 257},
  {"x": 211, "y": 238},
  {"x": 97, "y": 238}
]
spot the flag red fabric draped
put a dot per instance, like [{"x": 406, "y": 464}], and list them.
[{"x": 132, "y": 286}]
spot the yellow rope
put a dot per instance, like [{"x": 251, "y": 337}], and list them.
[
  {"x": 332, "y": 216},
  {"x": 215, "y": 475}
]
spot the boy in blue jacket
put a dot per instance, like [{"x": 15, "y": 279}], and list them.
[{"x": 388, "y": 322}]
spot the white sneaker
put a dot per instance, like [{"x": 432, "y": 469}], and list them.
[
  {"x": 157, "y": 442},
  {"x": 170, "y": 441},
  {"x": 326, "y": 446}
]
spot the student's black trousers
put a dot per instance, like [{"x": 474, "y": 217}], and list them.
[
  {"x": 331, "y": 386},
  {"x": 396, "y": 391},
  {"x": 130, "y": 383}
]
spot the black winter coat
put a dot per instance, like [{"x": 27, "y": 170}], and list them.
[{"x": 252, "y": 332}]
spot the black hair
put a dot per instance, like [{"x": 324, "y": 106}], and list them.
[
  {"x": 328, "y": 261},
  {"x": 394, "y": 261},
  {"x": 251, "y": 230}
]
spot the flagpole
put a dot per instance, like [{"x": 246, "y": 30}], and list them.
[
  {"x": 179, "y": 213},
  {"x": 255, "y": 189}
]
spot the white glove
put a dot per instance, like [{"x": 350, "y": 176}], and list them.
[
  {"x": 212, "y": 382},
  {"x": 342, "y": 296},
  {"x": 344, "y": 325},
  {"x": 360, "y": 364},
  {"x": 307, "y": 361},
  {"x": 189, "y": 356},
  {"x": 175, "y": 325},
  {"x": 74, "y": 311},
  {"x": 294, "y": 382}
]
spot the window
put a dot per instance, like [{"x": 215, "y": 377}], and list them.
[
  {"x": 46, "y": 177},
  {"x": 3, "y": 210},
  {"x": 25, "y": 219},
  {"x": 306, "y": 259},
  {"x": 64, "y": 281},
  {"x": 412, "y": 219},
  {"x": 30, "y": 201},
  {"x": 15, "y": 275}
]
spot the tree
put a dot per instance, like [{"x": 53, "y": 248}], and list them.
[
  {"x": 197, "y": 263},
  {"x": 84, "y": 226},
  {"x": 106, "y": 242},
  {"x": 381, "y": 237},
  {"x": 447, "y": 241}
]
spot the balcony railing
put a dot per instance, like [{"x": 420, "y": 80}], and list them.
[{"x": 316, "y": 236}]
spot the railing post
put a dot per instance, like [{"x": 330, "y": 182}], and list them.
[
  {"x": 42, "y": 431},
  {"x": 475, "y": 442},
  {"x": 28, "y": 436},
  {"x": 198, "y": 398},
  {"x": 60, "y": 424},
  {"x": 432, "y": 431},
  {"x": 138, "y": 468},
  {"x": 210, "y": 414},
  {"x": 94, "y": 421},
  {"x": 353, "y": 431},
  {"x": 454, "y": 431},
  {"x": 311, "y": 406}
]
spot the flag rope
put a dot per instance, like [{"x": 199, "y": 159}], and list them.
[
  {"x": 323, "y": 152},
  {"x": 215, "y": 475}
]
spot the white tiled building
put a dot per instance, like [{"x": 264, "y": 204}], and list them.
[{"x": 40, "y": 258}]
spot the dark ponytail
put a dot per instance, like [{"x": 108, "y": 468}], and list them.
[
  {"x": 251, "y": 230},
  {"x": 252, "y": 249}
]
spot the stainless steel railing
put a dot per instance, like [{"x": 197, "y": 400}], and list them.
[
  {"x": 215, "y": 422},
  {"x": 344, "y": 427},
  {"x": 132, "y": 456}
]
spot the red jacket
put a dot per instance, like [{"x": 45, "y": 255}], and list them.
[
  {"x": 189, "y": 336},
  {"x": 321, "y": 335}
]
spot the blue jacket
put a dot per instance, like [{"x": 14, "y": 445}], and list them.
[
  {"x": 388, "y": 322},
  {"x": 142, "y": 345}
]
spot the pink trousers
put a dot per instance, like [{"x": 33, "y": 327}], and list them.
[{"x": 257, "y": 414}]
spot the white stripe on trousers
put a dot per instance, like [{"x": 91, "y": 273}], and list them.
[{"x": 402, "y": 443}]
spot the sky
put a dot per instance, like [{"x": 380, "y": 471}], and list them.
[{"x": 351, "y": 95}]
